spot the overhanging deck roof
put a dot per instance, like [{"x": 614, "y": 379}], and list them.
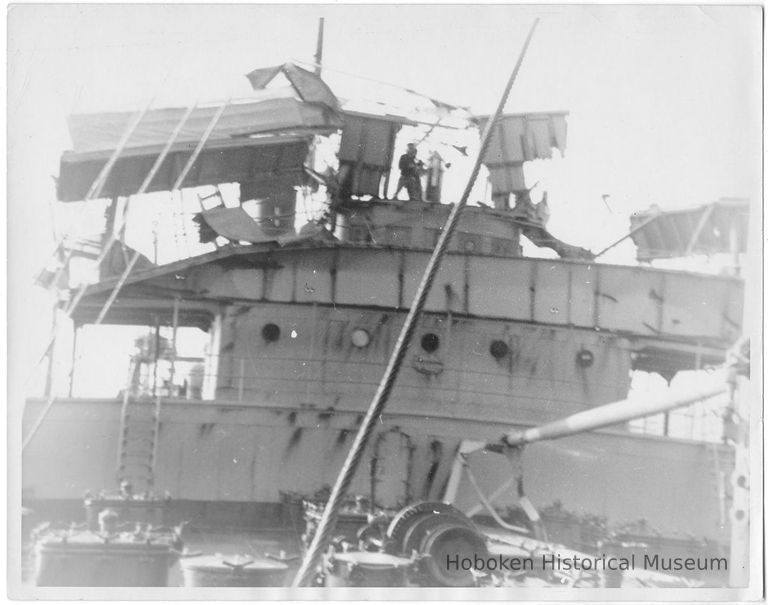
[
  {"x": 253, "y": 141},
  {"x": 645, "y": 305},
  {"x": 274, "y": 161},
  {"x": 716, "y": 228},
  {"x": 102, "y": 132}
]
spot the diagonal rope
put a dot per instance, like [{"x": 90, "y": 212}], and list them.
[
  {"x": 93, "y": 192},
  {"x": 176, "y": 186},
  {"x": 328, "y": 521},
  {"x": 640, "y": 227},
  {"x": 98, "y": 185},
  {"x": 107, "y": 248},
  {"x": 142, "y": 189},
  {"x": 436, "y": 102}
]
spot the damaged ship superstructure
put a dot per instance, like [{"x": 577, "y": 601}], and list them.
[{"x": 301, "y": 319}]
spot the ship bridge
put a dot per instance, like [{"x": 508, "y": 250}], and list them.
[
  {"x": 242, "y": 249},
  {"x": 301, "y": 316},
  {"x": 671, "y": 318},
  {"x": 244, "y": 245}
]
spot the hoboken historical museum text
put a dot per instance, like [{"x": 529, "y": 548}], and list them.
[{"x": 559, "y": 562}]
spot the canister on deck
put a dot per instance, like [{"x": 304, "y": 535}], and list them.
[
  {"x": 217, "y": 570},
  {"x": 360, "y": 568},
  {"x": 88, "y": 559}
]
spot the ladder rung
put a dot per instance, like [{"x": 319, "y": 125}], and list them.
[
  {"x": 140, "y": 431},
  {"x": 140, "y": 439},
  {"x": 136, "y": 437},
  {"x": 133, "y": 436},
  {"x": 136, "y": 455},
  {"x": 145, "y": 455},
  {"x": 123, "y": 466},
  {"x": 145, "y": 426},
  {"x": 141, "y": 457}
]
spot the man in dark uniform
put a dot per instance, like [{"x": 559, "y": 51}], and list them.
[{"x": 410, "y": 174}]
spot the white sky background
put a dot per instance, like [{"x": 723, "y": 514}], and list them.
[{"x": 664, "y": 102}]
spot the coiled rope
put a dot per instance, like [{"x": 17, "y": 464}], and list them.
[{"x": 328, "y": 521}]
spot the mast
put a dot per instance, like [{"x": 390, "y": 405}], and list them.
[{"x": 319, "y": 50}]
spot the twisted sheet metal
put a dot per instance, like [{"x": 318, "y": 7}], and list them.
[{"x": 335, "y": 501}]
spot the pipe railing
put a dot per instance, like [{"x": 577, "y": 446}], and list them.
[
  {"x": 185, "y": 237},
  {"x": 240, "y": 371},
  {"x": 237, "y": 371},
  {"x": 246, "y": 375}
]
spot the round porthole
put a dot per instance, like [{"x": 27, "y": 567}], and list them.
[
  {"x": 585, "y": 358},
  {"x": 430, "y": 342},
  {"x": 360, "y": 338},
  {"x": 270, "y": 332},
  {"x": 499, "y": 349}
]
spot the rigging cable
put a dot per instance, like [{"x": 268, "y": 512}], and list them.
[
  {"x": 434, "y": 101},
  {"x": 176, "y": 186},
  {"x": 93, "y": 192},
  {"x": 328, "y": 521},
  {"x": 113, "y": 238}
]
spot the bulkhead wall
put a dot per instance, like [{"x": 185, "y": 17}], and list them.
[
  {"x": 419, "y": 225},
  {"x": 334, "y": 357},
  {"x": 221, "y": 451},
  {"x": 633, "y": 301}
]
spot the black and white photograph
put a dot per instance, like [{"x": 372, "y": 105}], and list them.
[{"x": 385, "y": 301}]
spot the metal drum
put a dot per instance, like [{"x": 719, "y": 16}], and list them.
[
  {"x": 275, "y": 206},
  {"x": 348, "y": 230},
  {"x": 360, "y": 568},
  {"x": 215, "y": 570},
  {"x": 450, "y": 540},
  {"x": 88, "y": 559},
  {"x": 438, "y": 532}
]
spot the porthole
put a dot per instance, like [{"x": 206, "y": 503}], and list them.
[
  {"x": 270, "y": 332},
  {"x": 430, "y": 342},
  {"x": 499, "y": 349},
  {"x": 360, "y": 338},
  {"x": 585, "y": 358}
]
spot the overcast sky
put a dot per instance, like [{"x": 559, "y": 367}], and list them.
[{"x": 664, "y": 102}]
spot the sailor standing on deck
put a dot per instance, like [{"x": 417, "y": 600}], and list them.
[{"x": 410, "y": 174}]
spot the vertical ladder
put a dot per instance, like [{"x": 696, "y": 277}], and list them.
[{"x": 139, "y": 429}]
